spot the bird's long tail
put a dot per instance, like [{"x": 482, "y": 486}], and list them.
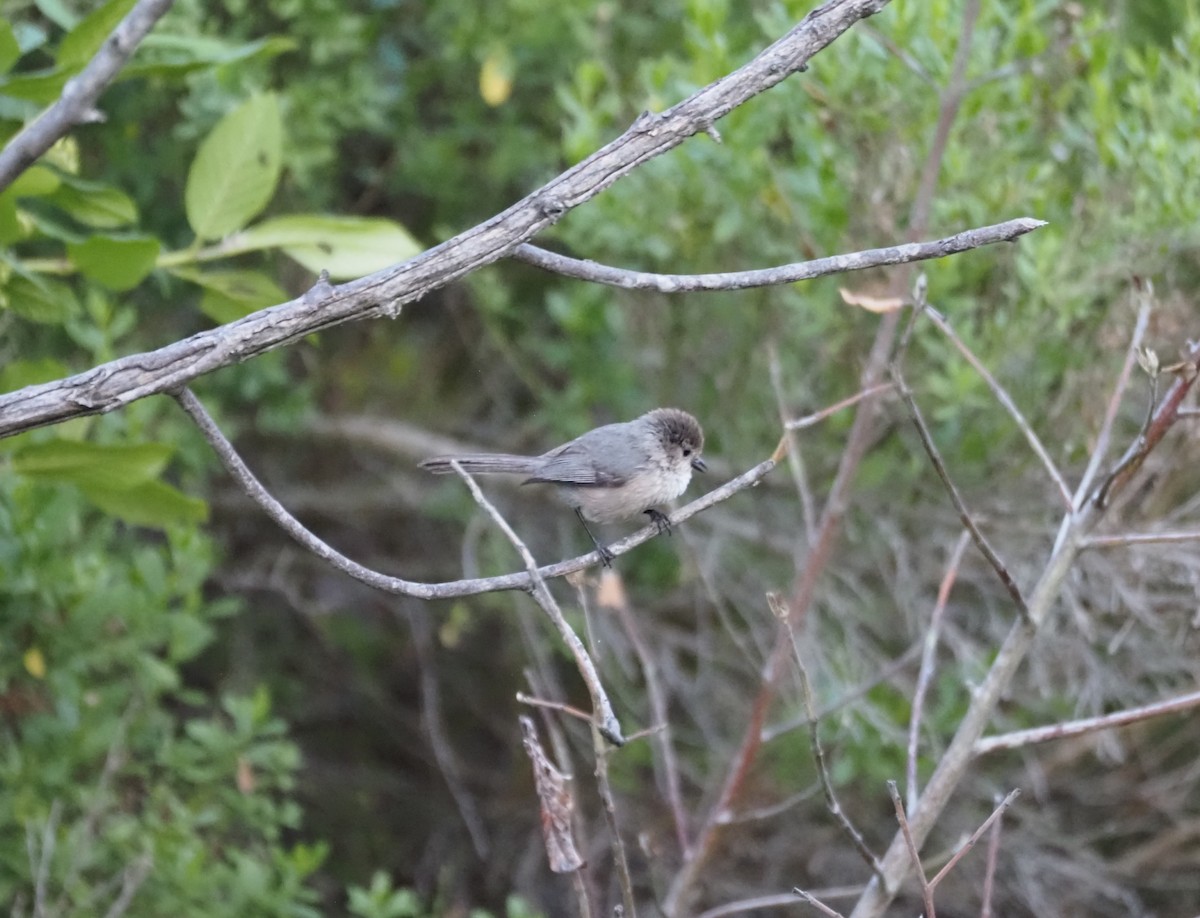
[{"x": 486, "y": 464}]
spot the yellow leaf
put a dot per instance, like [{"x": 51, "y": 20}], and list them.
[
  {"x": 496, "y": 78},
  {"x": 35, "y": 663}
]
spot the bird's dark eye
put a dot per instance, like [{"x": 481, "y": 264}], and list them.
[{"x": 686, "y": 451}]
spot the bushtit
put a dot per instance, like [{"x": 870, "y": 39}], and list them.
[{"x": 611, "y": 473}]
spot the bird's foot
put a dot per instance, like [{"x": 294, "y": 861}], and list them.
[
  {"x": 606, "y": 557},
  {"x": 660, "y": 520}
]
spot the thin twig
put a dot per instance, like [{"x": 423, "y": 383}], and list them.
[
  {"x": 779, "y": 900},
  {"x": 79, "y": 95},
  {"x": 604, "y": 787},
  {"x": 663, "y": 744},
  {"x": 1006, "y": 400},
  {"x": 132, "y": 877},
  {"x": 975, "y": 836},
  {"x": 604, "y": 719},
  {"x": 808, "y": 511},
  {"x": 831, "y": 803},
  {"x": 1143, "y": 293},
  {"x": 989, "y": 874},
  {"x": 1162, "y": 419},
  {"x": 559, "y": 706},
  {"x": 817, "y": 903},
  {"x": 439, "y": 742},
  {"x": 1141, "y": 538},
  {"x": 964, "y": 514},
  {"x": 783, "y": 274},
  {"x": 601, "y": 751},
  {"x": 849, "y": 697},
  {"x": 928, "y": 658},
  {"x": 818, "y": 416},
  {"x": 253, "y": 489},
  {"x": 913, "y": 851},
  {"x": 1019, "y": 738}
]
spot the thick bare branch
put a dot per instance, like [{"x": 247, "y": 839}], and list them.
[
  {"x": 119, "y": 382},
  {"x": 75, "y": 105},
  {"x": 783, "y": 274}
]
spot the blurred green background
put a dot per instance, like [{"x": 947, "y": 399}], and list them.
[{"x": 196, "y": 710}]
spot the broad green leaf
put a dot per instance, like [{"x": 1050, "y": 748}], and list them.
[
  {"x": 229, "y": 295},
  {"x": 83, "y": 41},
  {"x": 34, "y": 182},
  {"x": 56, "y": 11},
  {"x": 94, "y": 205},
  {"x": 41, "y": 86},
  {"x": 346, "y": 247},
  {"x": 9, "y": 49},
  {"x": 151, "y": 503},
  {"x": 21, "y": 373},
  {"x": 93, "y": 466},
  {"x": 117, "y": 263},
  {"x": 175, "y": 55},
  {"x": 236, "y": 168},
  {"x": 10, "y": 224},
  {"x": 40, "y": 299}
]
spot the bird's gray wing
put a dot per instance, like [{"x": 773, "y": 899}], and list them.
[{"x": 598, "y": 459}]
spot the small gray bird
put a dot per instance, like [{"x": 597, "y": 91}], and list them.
[{"x": 611, "y": 473}]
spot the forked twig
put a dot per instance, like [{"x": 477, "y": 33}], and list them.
[{"x": 604, "y": 719}]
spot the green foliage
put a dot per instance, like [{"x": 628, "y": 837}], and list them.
[{"x": 102, "y": 782}]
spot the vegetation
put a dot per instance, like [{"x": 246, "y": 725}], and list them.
[{"x": 199, "y": 717}]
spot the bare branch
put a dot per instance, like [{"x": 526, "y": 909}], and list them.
[
  {"x": 975, "y": 836},
  {"x": 925, "y": 676},
  {"x": 1141, "y": 538},
  {"x": 383, "y": 294},
  {"x": 603, "y": 718},
  {"x": 818, "y": 416},
  {"x": 817, "y": 903},
  {"x": 964, "y": 514},
  {"x": 913, "y": 850},
  {"x": 779, "y": 609},
  {"x": 1143, "y": 294},
  {"x": 76, "y": 104},
  {"x": 1005, "y": 399},
  {"x": 663, "y": 745},
  {"x": 1019, "y": 738},
  {"x": 965, "y": 241},
  {"x": 468, "y": 587}
]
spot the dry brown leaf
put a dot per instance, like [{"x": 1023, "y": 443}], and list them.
[{"x": 871, "y": 303}]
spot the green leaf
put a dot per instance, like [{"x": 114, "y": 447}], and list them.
[
  {"x": 83, "y": 41},
  {"x": 56, "y": 11},
  {"x": 96, "y": 467},
  {"x": 39, "y": 299},
  {"x": 11, "y": 229},
  {"x": 119, "y": 263},
  {"x": 93, "y": 204},
  {"x": 21, "y": 373},
  {"x": 152, "y": 503},
  {"x": 41, "y": 86},
  {"x": 34, "y": 182},
  {"x": 9, "y": 49},
  {"x": 176, "y": 55},
  {"x": 229, "y": 295},
  {"x": 346, "y": 247},
  {"x": 236, "y": 168}
]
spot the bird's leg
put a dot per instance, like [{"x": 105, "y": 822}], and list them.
[
  {"x": 660, "y": 519},
  {"x": 606, "y": 556}
]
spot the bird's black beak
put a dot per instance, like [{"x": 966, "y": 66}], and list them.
[{"x": 699, "y": 465}]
